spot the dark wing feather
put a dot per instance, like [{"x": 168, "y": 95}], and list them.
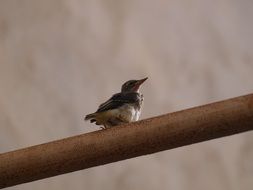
[{"x": 118, "y": 100}]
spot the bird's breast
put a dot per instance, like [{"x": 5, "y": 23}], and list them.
[{"x": 129, "y": 112}]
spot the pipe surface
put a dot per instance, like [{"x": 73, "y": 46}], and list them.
[{"x": 127, "y": 141}]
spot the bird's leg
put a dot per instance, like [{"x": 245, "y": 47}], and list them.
[{"x": 104, "y": 127}]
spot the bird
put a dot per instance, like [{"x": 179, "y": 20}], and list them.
[{"x": 122, "y": 107}]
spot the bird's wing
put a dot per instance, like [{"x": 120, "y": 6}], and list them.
[{"x": 119, "y": 99}]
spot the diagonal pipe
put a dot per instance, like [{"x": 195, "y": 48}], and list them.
[{"x": 127, "y": 141}]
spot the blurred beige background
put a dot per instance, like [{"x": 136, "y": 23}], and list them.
[{"x": 60, "y": 59}]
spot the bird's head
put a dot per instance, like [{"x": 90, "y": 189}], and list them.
[{"x": 132, "y": 85}]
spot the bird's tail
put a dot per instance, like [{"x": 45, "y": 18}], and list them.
[{"x": 91, "y": 117}]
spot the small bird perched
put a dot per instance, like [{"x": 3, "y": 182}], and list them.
[{"x": 123, "y": 107}]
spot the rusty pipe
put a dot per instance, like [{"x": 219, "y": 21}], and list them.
[{"x": 127, "y": 141}]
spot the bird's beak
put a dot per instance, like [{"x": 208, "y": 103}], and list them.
[{"x": 139, "y": 82}]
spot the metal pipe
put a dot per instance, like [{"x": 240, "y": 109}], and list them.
[{"x": 127, "y": 141}]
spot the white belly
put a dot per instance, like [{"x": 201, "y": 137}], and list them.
[
  {"x": 129, "y": 113},
  {"x": 126, "y": 113}
]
